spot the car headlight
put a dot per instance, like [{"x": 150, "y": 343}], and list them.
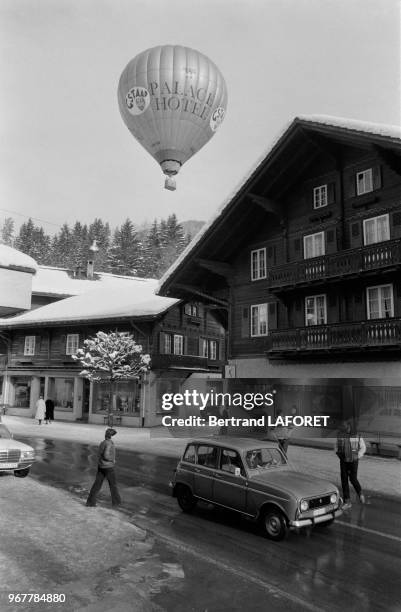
[
  {"x": 333, "y": 498},
  {"x": 304, "y": 505},
  {"x": 30, "y": 454}
]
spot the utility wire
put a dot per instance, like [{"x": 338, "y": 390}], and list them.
[{"x": 14, "y": 212}]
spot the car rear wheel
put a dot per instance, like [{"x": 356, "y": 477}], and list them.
[
  {"x": 185, "y": 499},
  {"x": 21, "y": 473},
  {"x": 274, "y": 524}
]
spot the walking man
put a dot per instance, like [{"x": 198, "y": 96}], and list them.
[
  {"x": 349, "y": 447},
  {"x": 105, "y": 469},
  {"x": 40, "y": 410}
]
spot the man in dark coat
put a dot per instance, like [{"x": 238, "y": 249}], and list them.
[
  {"x": 49, "y": 416},
  {"x": 105, "y": 469},
  {"x": 349, "y": 448}
]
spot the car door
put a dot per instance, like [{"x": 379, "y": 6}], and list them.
[
  {"x": 205, "y": 467},
  {"x": 230, "y": 488}
]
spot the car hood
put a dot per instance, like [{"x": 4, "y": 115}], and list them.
[
  {"x": 301, "y": 485},
  {"x": 7, "y": 443}
]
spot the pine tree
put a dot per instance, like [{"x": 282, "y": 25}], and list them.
[
  {"x": 124, "y": 255},
  {"x": 33, "y": 241},
  {"x": 100, "y": 232},
  {"x": 7, "y": 231}
]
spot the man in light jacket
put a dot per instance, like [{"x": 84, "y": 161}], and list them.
[
  {"x": 105, "y": 469},
  {"x": 349, "y": 448}
]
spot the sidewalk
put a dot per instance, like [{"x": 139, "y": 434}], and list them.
[{"x": 379, "y": 476}]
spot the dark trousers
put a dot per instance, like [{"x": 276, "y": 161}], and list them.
[
  {"x": 103, "y": 473},
  {"x": 349, "y": 474},
  {"x": 283, "y": 445}
]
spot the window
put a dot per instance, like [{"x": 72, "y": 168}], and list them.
[
  {"x": 29, "y": 348},
  {"x": 208, "y": 348},
  {"x": 259, "y": 320},
  {"x": 213, "y": 349},
  {"x": 207, "y": 456},
  {"x": 191, "y": 310},
  {"x": 320, "y": 196},
  {"x": 72, "y": 344},
  {"x": 167, "y": 343},
  {"x": 178, "y": 344},
  {"x": 230, "y": 460},
  {"x": 376, "y": 229},
  {"x": 258, "y": 264},
  {"x": 204, "y": 347},
  {"x": 315, "y": 310},
  {"x": 380, "y": 302},
  {"x": 314, "y": 245},
  {"x": 190, "y": 454},
  {"x": 364, "y": 181}
]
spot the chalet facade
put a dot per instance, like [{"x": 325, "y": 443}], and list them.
[
  {"x": 186, "y": 341},
  {"x": 305, "y": 258}
]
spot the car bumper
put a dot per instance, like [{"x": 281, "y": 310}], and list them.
[
  {"x": 21, "y": 465},
  {"x": 316, "y": 519}
]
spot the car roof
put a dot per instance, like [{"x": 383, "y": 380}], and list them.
[{"x": 240, "y": 444}]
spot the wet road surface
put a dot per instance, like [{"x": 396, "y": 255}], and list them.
[{"x": 228, "y": 565}]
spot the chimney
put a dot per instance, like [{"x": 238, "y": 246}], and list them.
[{"x": 90, "y": 264}]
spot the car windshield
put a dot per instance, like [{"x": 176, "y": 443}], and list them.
[
  {"x": 4, "y": 433},
  {"x": 264, "y": 459}
]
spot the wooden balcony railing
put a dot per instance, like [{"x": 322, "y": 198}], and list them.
[
  {"x": 352, "y": 261},
  {"x": 183, "y": 361},
  {"x": 374, "y": 333}
]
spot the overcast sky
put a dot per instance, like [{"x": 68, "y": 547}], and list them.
[{"x": 65, "y": 153}]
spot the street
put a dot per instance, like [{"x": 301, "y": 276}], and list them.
[{"x": 223, "y": 562}]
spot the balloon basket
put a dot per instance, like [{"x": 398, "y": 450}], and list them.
[{"x": 170, "y": 184}]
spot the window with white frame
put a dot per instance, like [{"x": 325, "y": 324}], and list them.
[
  {"x": 320, "y": 196},
  {"x": 204, "y": 347},
  {"x": 178, "y": 344},
  {"x": 315, "y": 310},
  {"x": 29, "y": 346},
  {"x": 364, "y": 181},
  {"x": 259, "y": 320},
  {"x": 72, "y": 344},
  {"x": 258, "y": 264},
  {"x": 380, "y": 302},
  {"x": 314, "y": 245},
  {"x": 376, "y": 229}
]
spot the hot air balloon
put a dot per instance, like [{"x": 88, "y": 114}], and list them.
[{"x": 172, "y": 99}]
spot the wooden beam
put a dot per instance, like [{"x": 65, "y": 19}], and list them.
[
  {"x": 390, "y": 158},
  {"x": 218, "y": 267},
  {"x": 195, "y": 291}
]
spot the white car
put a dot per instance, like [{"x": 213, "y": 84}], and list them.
[{"x": 14, "y": 455}]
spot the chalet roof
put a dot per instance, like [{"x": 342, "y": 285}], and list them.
[
  {"x": 300, "y": 139},
  {"x": 58, "y": 282},
  {"x": 16, "y": 260},
  {"x": 135, "y": 300}
]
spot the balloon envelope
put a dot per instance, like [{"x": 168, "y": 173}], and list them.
[{"x": 172, "y": 99}]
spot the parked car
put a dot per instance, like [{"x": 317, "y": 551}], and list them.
[
  {"x": 14, "y": 455},
  {"x": 254, "y": 479}
]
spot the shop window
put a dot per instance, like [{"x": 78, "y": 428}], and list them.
[
  {"x": 22, "y": 391},
  {"x": 64, "y": 394},
  {"x": 126, "y": 398}
]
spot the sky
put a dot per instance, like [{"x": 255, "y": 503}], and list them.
[{"x": 65, "y": 153}]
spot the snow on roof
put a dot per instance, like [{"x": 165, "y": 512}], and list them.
[
  {"x": 136, "y": 299},
  {"x": 57, "y": 281},
  {"x": 355, "y": 125},
  {"x": 13, "y": 259}
]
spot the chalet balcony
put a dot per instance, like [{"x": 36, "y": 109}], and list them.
[
  {"x": 352, "y": 262},
  {"x": 184, "y": 362},
  {"x": 338, "y": 337}
]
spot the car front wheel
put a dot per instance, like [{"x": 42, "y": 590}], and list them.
[
  {"x": 21, "y": 473},
  {"x": 185, "y": 499},
  {"x": 274, "y": 524}
]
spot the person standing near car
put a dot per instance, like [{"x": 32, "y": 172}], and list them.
[
  {"x": 105, "y": 469},
  {"x": 349, "y": 448},
  {"x": 40, "y": 409}
]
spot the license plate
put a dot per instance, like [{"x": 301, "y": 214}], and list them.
[
  {"x": 8, "y": 466},
  {"x": 320, "y": 511}
]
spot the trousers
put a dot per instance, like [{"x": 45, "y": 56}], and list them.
[
  {"x": 349, "y": 474},
  {"x": 110, "y": 475}
]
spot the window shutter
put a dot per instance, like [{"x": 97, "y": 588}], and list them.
[
  {"x": 377, "y": 177},
  {"x": 396, "y": 218},
  {"x": 298, "y": 305},
  {"x": 162, "y": 343},
  {"x": 351, "y": 185},
  {"x": 297, "y": 244},
  {"x": 355, "y": 231},
  {"x": 332, "y": 301},
  {"x": 272, "y": 319},
  {"x": 245, "y": 322},
  {"x": 330, "y": 235},
  {"x": 331, "y": 193}
]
